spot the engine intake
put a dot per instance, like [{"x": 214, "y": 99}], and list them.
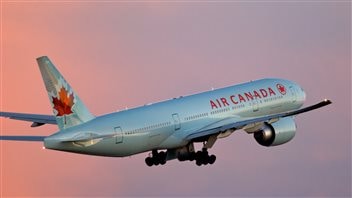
[{"x": 277, "y": 133}]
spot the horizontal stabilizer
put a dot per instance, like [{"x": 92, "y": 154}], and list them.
[
  {"x": 37, "y": 119},
  {"x": 23, "y": 138}
]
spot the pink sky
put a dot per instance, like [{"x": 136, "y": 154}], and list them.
[{"x": 118, "y": 55}]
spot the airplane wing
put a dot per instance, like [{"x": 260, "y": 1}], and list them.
[
  {"x": 37, "y": 119},
  {"x": 241, "y": 124}
]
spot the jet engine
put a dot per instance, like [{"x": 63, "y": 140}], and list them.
[{"x": 276, "y": 133}]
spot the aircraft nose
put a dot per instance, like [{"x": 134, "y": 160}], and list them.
[{"x": 302, "y": 95}]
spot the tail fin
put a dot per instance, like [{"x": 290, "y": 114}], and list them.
[{"x": 68, "y": 109}]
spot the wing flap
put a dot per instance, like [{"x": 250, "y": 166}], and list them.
[{"x": 203, "y": 133}]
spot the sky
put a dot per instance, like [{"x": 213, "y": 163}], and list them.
[{"x": 126, "y": 54}]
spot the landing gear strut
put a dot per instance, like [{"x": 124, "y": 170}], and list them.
[
  {"x": 156, "y": 158},
  {"x": 203, "y": 158}
]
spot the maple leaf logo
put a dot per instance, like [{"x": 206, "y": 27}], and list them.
[
  {"x": 63, "y": 103},
  {"x": 281, "y": 89}
]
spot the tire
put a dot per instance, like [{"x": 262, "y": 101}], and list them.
[
  {"x": 162, "y": 155},
  {"x": 192, "y": 156},
  {"x": 198, "y": 156},
  {"x": 156, "y": 161},
  {"x": 212, "y": 159},
  {"x": 205, "y": 160},
  {"x": 205, "y": 157},
  {"x": 163, "y": 162},
  {"x": 199, "y": 163},
  {"x": 149, "y": 161}
]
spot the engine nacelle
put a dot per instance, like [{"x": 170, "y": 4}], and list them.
[{"x": 276, "y": 133}]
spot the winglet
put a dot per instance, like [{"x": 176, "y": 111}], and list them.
[{"x": 68, "y": 108}]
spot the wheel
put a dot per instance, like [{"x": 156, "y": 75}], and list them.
[
  {"x": 212, "y": 159},
  {"x": 205, "y": 157},
  {"x": 198, "y": 155},
  {"x": 156, "y": 161},
  {"x": 192, "y": 156},
  {"x": 199, "y": 163},
  {"x": 162, "y": 155},
  {"x": 149, "y": 161},
  {"x": 162, "y": 158},
  {"x": 205, "y": 160}
]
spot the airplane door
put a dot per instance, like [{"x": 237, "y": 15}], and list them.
[
  {"x": 177, "y": 122},
  {"x": 118, "y": 135}
]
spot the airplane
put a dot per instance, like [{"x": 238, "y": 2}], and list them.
[{"x": 169, "y": 129}]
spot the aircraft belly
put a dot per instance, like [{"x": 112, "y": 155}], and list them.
[{"x": 173, "y": 142}]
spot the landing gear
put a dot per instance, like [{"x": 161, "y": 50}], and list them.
[
  {"x": 185, "y": 153},
  {"x": 203, "y": 158},
  {"x": 156, "y": 158}
]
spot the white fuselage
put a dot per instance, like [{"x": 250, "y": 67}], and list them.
[{"x": 168, "y": 124}]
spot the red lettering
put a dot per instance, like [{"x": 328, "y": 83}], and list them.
[
  {"x": 218, "y": 102},
  {"x": 264, "y": 93},
  {"x": 248, "y": 95},
  {"x": 213, "y": 105},
  {"x": 232, "y": 98},
  {"x": 256, "y": 94},
  {"x": 224, "y": 102},
  {"x": 241, "y": 98},
  {"x": 271, "y": 92}
]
